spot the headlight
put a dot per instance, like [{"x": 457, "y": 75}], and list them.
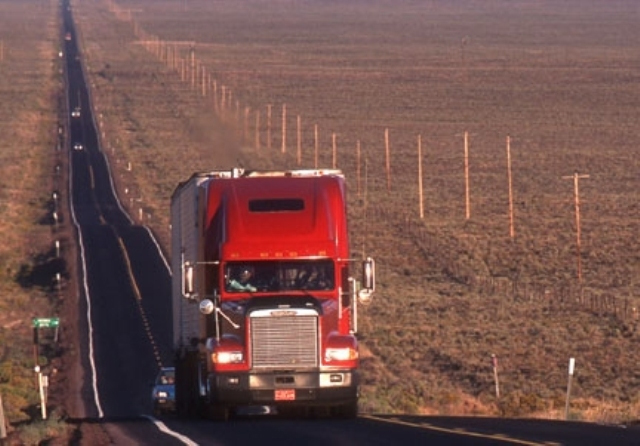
[
  {"x": 161, "y": 394},
  {"x": 340, "y": 354},
  {"x": 227, "y": 357}
]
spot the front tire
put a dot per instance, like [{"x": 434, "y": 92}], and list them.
[
  {"x": 217, "y": 412},
  {"x": 347, "y": 411},
  {"x": 212, "y": 409}
]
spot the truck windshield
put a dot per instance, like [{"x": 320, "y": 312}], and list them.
[{"x": 307, "y": 275}]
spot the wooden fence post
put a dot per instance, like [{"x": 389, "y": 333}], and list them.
[
  {"x": 358, "y": 156},
  {"x": 334, "y": 150},
  {"x": 420, "y": 193},
  {"x": 284, "y": 128},
  {"x": 467, "y": 200},
  {"x": 269, "y": 126},
  {"x": 387, "y": 158},
  {"x": 257, "y": 129},
  {"x": 299, "y": 133},
  {"x": 3, "y": 423},
  {"x": 315, "y": 155}
]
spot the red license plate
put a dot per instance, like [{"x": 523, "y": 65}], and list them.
[{"x": 285, "y": 395}]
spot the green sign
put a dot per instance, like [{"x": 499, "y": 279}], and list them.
[{"x": 46, "y": 322}]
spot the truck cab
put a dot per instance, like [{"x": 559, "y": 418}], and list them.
[{"x": 265, "y": 308}]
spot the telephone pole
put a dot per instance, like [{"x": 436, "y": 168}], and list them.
[
  {"x": 512, "y": 231},
  {"x": 576, "y": 195},
  {"x": 467, "y": 200}
]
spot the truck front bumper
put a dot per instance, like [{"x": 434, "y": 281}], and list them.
[{"x": 291, "y": 388}]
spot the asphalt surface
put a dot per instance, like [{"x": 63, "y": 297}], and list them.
[
  {"x": 126, "y": 334},
  {"x": 127, "y": 292}
]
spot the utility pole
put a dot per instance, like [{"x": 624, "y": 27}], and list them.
[
  {"x": 358, "y": 156},
  {"x": 420, "y": 192},
  {"x": 284, "y": 128},
  {"x": 269, "y": 126},
  {"x": 315, "y": 146},
  {"x": 467, "y": 200},
  {"x": 512, "y": 231},
  {"x": 257, "y": 129},
  {"x": 192, "y": 56},
  {"x": 334, "y": 150},
  {"x": 576, "y": 194},
  {"x": 387, "y": 158},
  {"x": 299, "y": 132}
]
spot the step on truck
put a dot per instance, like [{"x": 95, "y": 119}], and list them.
[{"x": 264, "y": 306}]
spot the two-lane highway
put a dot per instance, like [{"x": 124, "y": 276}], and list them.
[
  {"x": 126, "y": 284},
  {"x": 125, "y": 331}
]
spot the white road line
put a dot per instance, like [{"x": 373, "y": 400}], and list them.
[
  {"x": 161, "y": 426},
  {"x": 164, "y": 259},
  {"x": 164, "y": 429},
  {"x": 94, "y": 374}
]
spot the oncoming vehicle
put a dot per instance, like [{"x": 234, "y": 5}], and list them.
[
  {"x": 265, "y": 306},
  {"x": 78, "y": 146},
  {"x": 163, "y": 393},
  {"x": 75, "y": 113}
]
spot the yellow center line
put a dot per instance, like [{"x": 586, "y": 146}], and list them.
[
  {"x": 136, "y": 291},
  {"x": 132, "y": 279},
  {"x": 93, "y": 189},
  {"x": 93, "y": 181}
]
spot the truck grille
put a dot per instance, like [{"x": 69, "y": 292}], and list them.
[{"x": 285, "y": 341}]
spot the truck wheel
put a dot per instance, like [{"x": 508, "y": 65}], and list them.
[
  {"x": 347, "y": 411},
  {"x": 218, "y": 413}
]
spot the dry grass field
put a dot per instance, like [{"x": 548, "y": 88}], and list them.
[
  {"x": 30, "y": 89},
  {"x": 559, "y": 78}
]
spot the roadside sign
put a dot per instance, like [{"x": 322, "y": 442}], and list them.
[
  {"x": 46, "y": 322},
  {"x": 43, "y": 322}
]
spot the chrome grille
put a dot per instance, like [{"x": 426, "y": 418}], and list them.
[{"x": 284, "y": 341}]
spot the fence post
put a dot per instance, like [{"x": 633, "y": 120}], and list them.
[
  {"x": 3, "y": 424},
  {"x": 572, "y": 363},
  {"x": 494, "y": 360}
]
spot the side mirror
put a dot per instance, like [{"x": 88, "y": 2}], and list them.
[
  {"x": 368, "y": 281},
  {"x": 188, "y": 279}
]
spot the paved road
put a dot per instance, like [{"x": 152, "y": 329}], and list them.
[
  {"x": 127, "y": 335},
  {"x": 127, "y": 284}
]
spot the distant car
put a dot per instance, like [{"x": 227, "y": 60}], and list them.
[
  {"x": 67, "y": 36},
  {"x": 78, "y": 146},
  {"x": 76, "y": 112},
  {"x": 163, "y": 394}
]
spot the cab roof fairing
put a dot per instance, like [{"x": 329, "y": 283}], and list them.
[{"x": 319, "y": 229}]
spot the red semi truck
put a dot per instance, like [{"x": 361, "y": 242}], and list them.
[{"x": 264, "y": 307}]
